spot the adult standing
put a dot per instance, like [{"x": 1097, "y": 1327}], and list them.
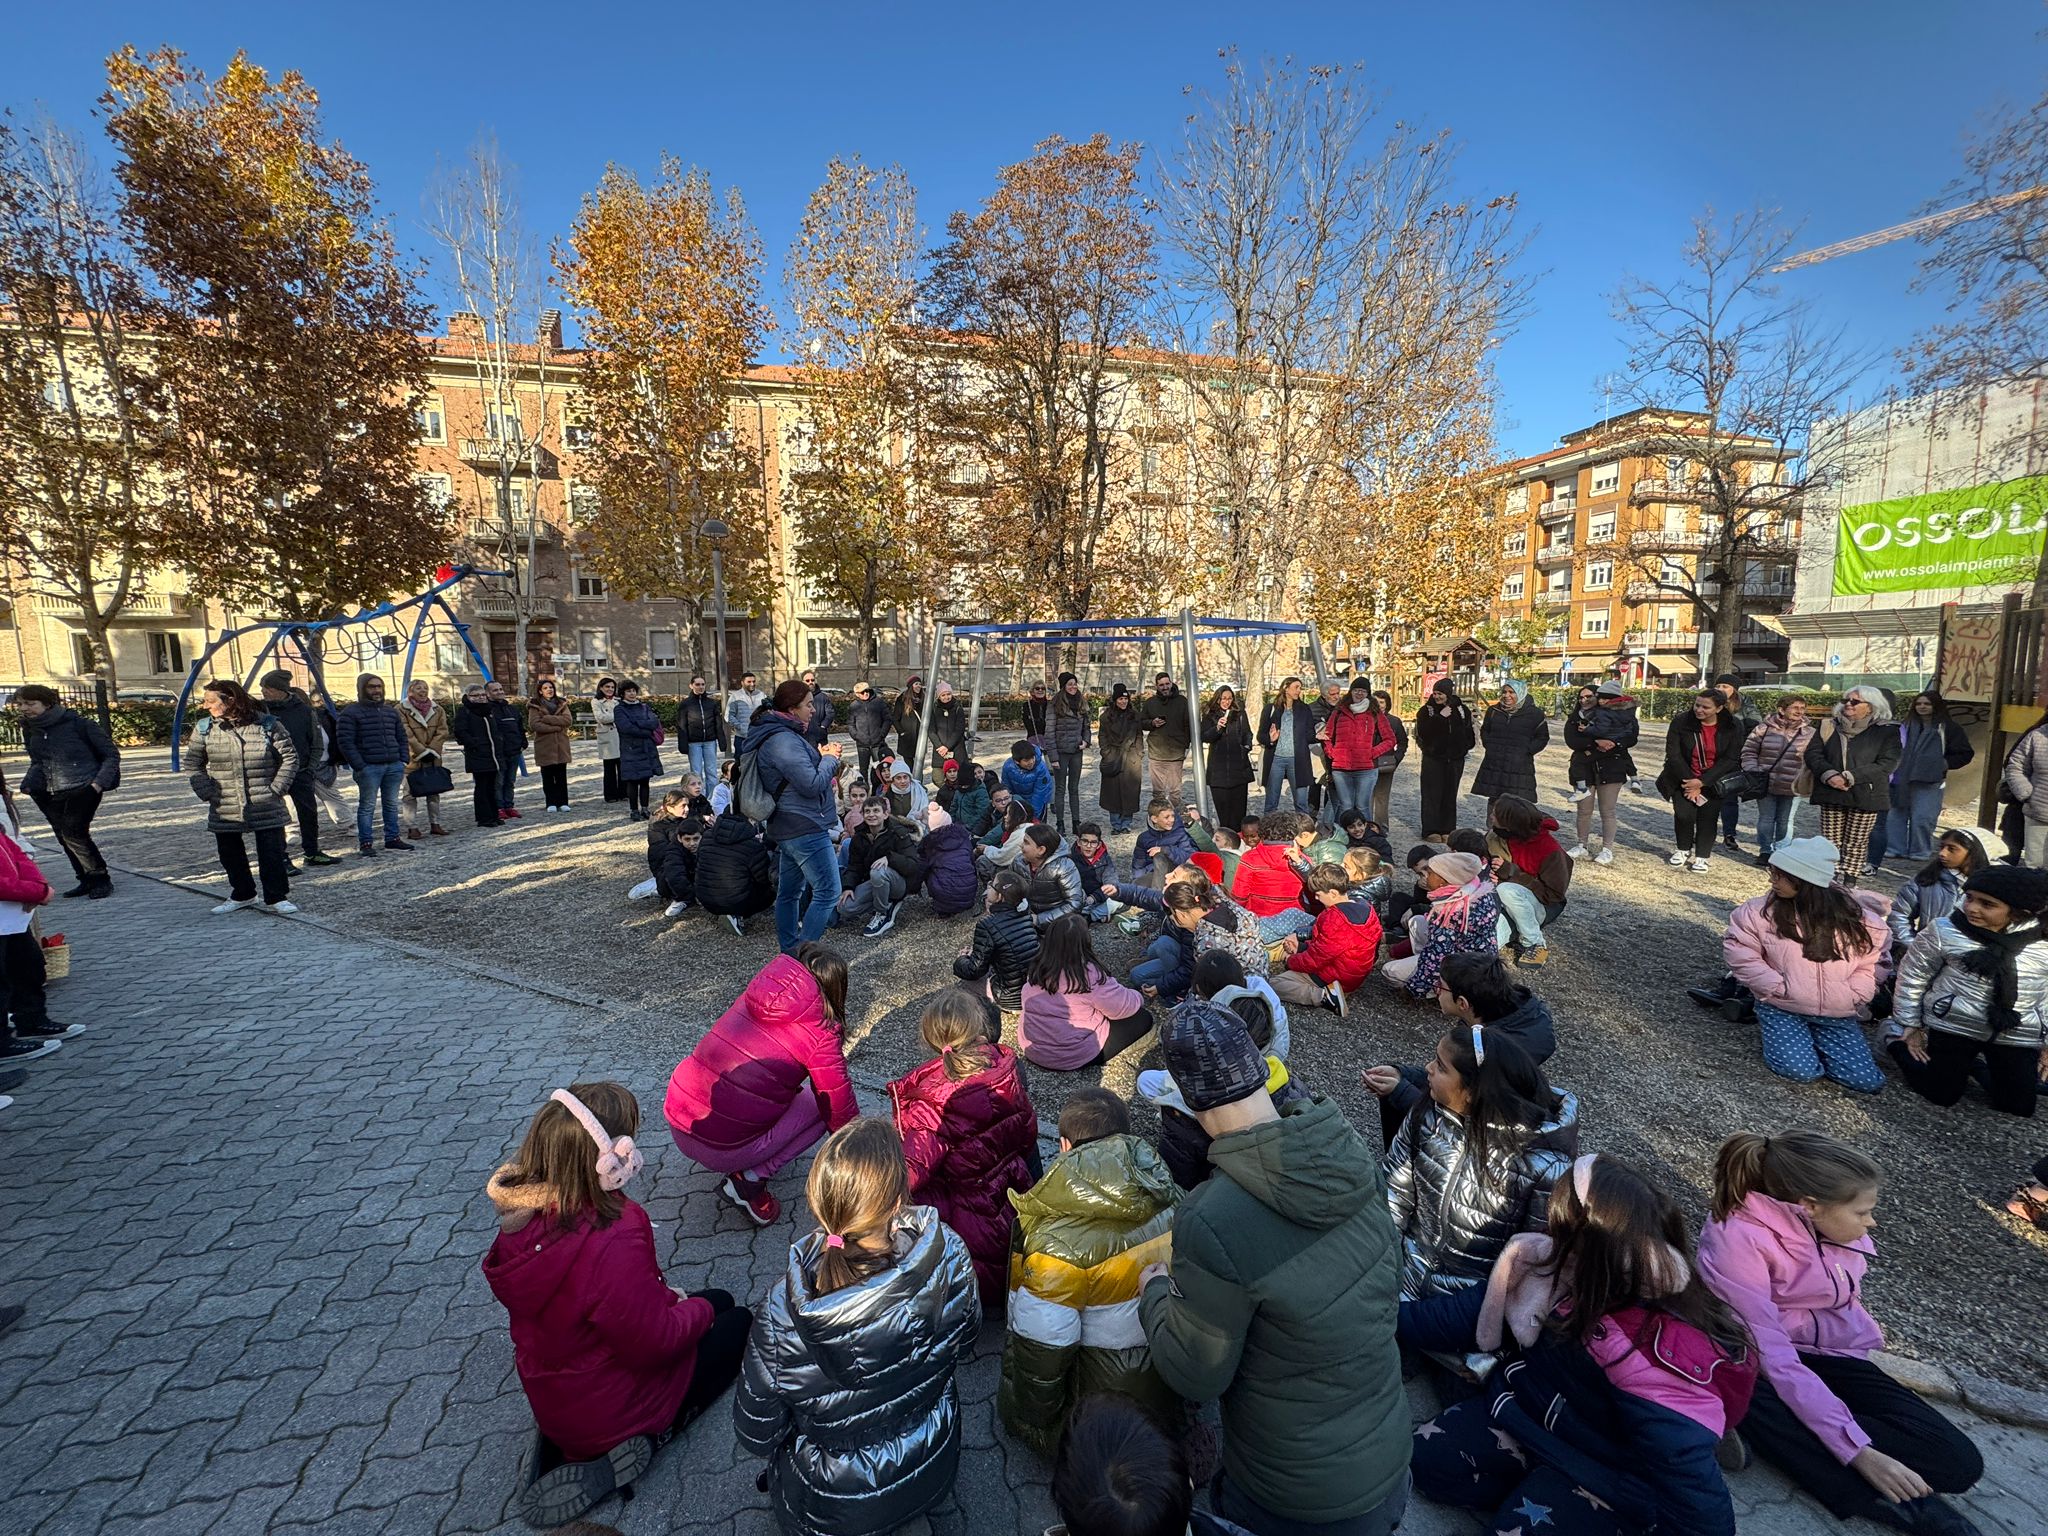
[
  {"x": 820, "y": 729},
  {"x": 1852, "y": 764},
  {"x": 2026, "y": 780},
  {"x": 72, "y": 765},
  {"x": 1513, "y": 731},
  {"x": 1745, "y": 719},
  {"x": 950, "y": 726},
  {"x": 554, "y": 732},
  {"x": 1121, "y": 736},
  {"x": 426, "y": 733},
  {"x": 1599, "y": 731},
  {"x": 294, "y": 711},
  {"x": 639, "y": 757},
  {"x": 1777, "y": 749},
  {"x": 1355, "y": 739},
  {"x": 510, "y": 731},
  {"x": 802, "y": 778},
  {"x": 1281, "y": 1297},
  {"x": 741, "y": 705},
  {"x": 1701, "y": 751},
  {"x": 1443, "y": 735},
  {"x": 243, "y": 764},
  {"x": 372, "y": 740},
  {"x": 1168, "y": 732},
  {"x": 1227, "y": 733},
  {"x": 700, "y": 723},
  {"x": 1320, "y": 791},
  {"x": 480, "y": 760},
  {"x": 909, "y": 713},
  {"x": 867, "y": 722},
  {"x": 1070, "y": 738},
  {"x": 1287, "y": 737},
  {"x": 1383, "y": 786},
  {"x": 1931, "y": 746},
  {"x": 1038, "y": 719},
  {"x": 602, "y": 705}
]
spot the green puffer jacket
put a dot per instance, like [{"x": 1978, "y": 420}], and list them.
[
  {"x": 1282, "y": 1302},
  {"x": 1102, "y": 1213}
]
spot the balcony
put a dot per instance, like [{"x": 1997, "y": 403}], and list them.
[
  {"x": 1771, "y": 546},
  {"x": 492, "y": 453},
  {"x": 490, "y": 530},
  {"x": 1557, "y": 506},
  {"x": 1557, "y": 554},
  {"x": 1663, "y": 488},
  {"x": 503, "y": 607},
  {"x": 140, "y": 605}
]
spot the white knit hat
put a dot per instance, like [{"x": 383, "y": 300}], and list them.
[{"x": 1812, "y": 859}]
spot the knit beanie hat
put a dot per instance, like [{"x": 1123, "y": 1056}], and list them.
[
  {"x": 935, "y": 817},
  {"x": 1812, "y": 859},
  {"x": 1456, "y": 868},
  {"x": 1211, "y": 1056},
  {"x": 2024, "y": 890},
  {"x": 279, "y": 679},
  {"x": 1120, "y": 691},
  {"x": 1612, "y": 688}
]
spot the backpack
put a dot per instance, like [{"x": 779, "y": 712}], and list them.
[{"x": 751, "y": 796}]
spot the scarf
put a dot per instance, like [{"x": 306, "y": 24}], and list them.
[
  {"x": 421, "y": 715},
  {"x": 1702, "y": 753},
  {"x": 1453, "y": 904},
  {"x": 1531, "y": 852},
  {"x": 1852, "y": 727},
  {"x": 1996, "y": 959}
]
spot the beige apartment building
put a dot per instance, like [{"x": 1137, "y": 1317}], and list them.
[{"x": 1593, "y": 530}]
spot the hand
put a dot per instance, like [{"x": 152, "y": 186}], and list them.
[
  {"x": 1110, "y": 891},
  {"x": 1916, "y": 1044},
  {"x": 1291, "y": 945},
  {"x": 1382, "y": 1080},
  {"x": 2041, "y": 1071},
  {"x": 1604, "y": 746},
  {"x": 1893, "y": 1480},
  {"x": 1272, "y": 733},
  {"x": 1690, "y": 786},
  {"x": 1149, "y": 991},
  {"x": 1148, "y": 1274},
  {"x": 1696, "y": 798},
  {"x": 832, "y": 749}
]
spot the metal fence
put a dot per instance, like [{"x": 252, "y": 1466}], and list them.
[{"x": 87, "y": 700}]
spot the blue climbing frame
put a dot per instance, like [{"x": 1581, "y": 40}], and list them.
[
  {"x": 305, "y": 638},
  {"x": 1188, "y": 627}
]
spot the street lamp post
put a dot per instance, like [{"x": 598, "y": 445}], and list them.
[{"x": 718, "y": 531}]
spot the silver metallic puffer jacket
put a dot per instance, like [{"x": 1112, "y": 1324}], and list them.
[
  {"x": 1452, "y": 1226},
  {"x": 1933, "y": 991},
  {"x": 850, "y": 1396}
]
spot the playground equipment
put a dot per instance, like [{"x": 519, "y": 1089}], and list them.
[{"x": 345, "y": 638}]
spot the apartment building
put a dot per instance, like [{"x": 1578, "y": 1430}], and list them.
[{"x": 1604, "y": 537}]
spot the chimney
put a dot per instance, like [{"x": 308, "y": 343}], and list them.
[
  {"x": 551, "y": 329},
  {"x": 464, "y": 326}
]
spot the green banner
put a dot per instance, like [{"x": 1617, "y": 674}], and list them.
[{"x": 1988, "y": 535}]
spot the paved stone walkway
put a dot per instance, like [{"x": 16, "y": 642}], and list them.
[{"x": 245, "y": 1212}]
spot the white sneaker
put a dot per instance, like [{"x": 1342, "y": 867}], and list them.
[
  {"x": 232, "y": 905},
  {"x": 1680, "y": 859},
  {"x": 1604, "y": 856},
  {"x": 1577, "y": 851},
  {"x": 737, "y": 926},
  {"x": 1335, "y": 996},
  {"x": 5, "y": 1101},
  {"x": 676, "y": 909},
  {"x": 280, "y": 906},
  {"x": 1699, "y": 866},
  {"x": 1582, "y": 794},
  {"x": 642, "y": 891}
]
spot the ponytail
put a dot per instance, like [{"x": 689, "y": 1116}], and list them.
[
  {"x": 857, "y": 1187},
  {"x": 1791, "y": 1166}
]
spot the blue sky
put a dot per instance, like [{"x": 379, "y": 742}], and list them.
[{"x": 1613, "y": 122}]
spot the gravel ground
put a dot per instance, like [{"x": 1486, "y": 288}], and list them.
[{"x": 1660, "y": 1081}]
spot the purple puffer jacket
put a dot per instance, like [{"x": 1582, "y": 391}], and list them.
[{"x": 947, "y": 858}]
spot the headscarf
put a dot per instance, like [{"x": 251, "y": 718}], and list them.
[{"x": 1519, "y": 689}]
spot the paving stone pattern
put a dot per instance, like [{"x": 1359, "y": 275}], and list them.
[{"x": 246, "y": 1216}]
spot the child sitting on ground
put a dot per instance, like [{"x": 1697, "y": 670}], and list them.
[
  {"x": 1103, "y": 1211},
  {"x": 1470, "y": 989},
  {"x": 883, "y": 1283},
  {"x": 882, "y": 865},
  {"x": 1531, "y": 871},
  {"x": 613, "y": 1360},
  {"x": 1409, "y": 903},
  {"x": 1118, "y": 1473},
  {"x": 945, "y": 860},
  {"x": 735, "y": 876},
  {"x": 1163, "y": 846},
  {"x": 1091, "y": 857},
  {"x": 695, "y": 802},
  {"x": 970, "y": 1135},
  {"x": 1027, "y": 778},
  {"x": 1007, "y": 849},
  {"x": 674, "y": 862},
  {"x": 1075, "y": 1014},
  {"x": 1370, "y": 882},
  {"x": 1787, "y": 1248},
  {"x": 1361, "y": 831},
  {"x": 1005, "y": 943},
  {"x": 1463, "y": 918},
  {"x": 1340, "y": 950},
  {"x": 969, "y": 803},
  {"x": 721, "y": 792},
  {"x": 1220, "y": 980},
  {"x": 1936, "y": 889}
]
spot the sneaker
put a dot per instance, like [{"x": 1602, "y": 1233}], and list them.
[
  {"x": 7, "y": 1102},
  {"x": 1700, "y": 866},
  {"x": 1333, "y": 999},
  {"x": 280, "y": 906},
  {"x": 737, "y": 926},
  {"x": 234, "y": 904},
  {"x": 510, "y": 813},
  {"x": 881, "y": 922},
  {"x": 26, "y": 1050},
  {"x": 1131, "y": 922},
  {"x": 1680, "y": 859},
  {"x": 1539, "y": 955},
  {"x": 398, "y": 845},
  {"x": 1604, "y": 856},
  {"x": 676, "y": 909},
  {"x": 83, "y": 888},
  {"x": 1732, "y": 1454},
  {"x": 366, "y": 850},
  {"x": 1582, "y": 794},
  {"x": 320, "y": 860},
  {"x": 47, "y": 1030},
  {"x": 573, "y": 1489},
  {"x": 761, "y": 1207},
  {"x": 1731, "y": 845},
  {"x": 1577, "y": 851},
  {"x": 1931, "y": 1516}
]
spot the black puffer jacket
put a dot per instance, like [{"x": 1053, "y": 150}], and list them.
[
  {"x": 867, "y": 721},
  {"x": 1869, "y": 757},
  {"x": 1005, "y": 943},
  {"x": 698, "y": 718},
  {"x": 734, "y": 875},
  {"x": 68, "y": 751},
  {"x": 295, "y": 714},
  {"x": 1229, "y": 738},
  {"x": 1452, "y": 1225},
  {"x": 1512, "y": 738},
  {"x": 896, "y": 841},
  {"x": 949, "y": 726},
  {"x": 1168, "y": 729},
  {"x": 1589, "y": 764},
  {"x": 472, "y": 727}
]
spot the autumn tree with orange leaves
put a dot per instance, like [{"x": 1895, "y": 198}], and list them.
[
  {"x": 667, "y": 282},
  {"x": 289, "y": 339}
]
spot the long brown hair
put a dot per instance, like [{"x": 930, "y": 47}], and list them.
[
  {"x": 960, "y": 1025},
  {"x": 559, "y": 1155},
  {"x": 1825, "y": 919},
  {"x": 1065, "y": 961},
  {"x": 241, "y": 708},
  {"x": 828, "y": 969},
  {"x": 1791, "y": 1166},
  {"x": 858, "y": 1184}
]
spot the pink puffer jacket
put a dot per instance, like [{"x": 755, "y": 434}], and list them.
[
  {"x": 750, "y": 1068},
  {"x": 1778, "y": 972},
  {"x": 20, "y": 880}
]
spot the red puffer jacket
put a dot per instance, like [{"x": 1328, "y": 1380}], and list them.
[
  {"x": 750, "y": 1068},
  {"x": 1266, "y": 882},
  {"x": 1342, "y": 947},
  {"x": 1358, "y": 741},
  {"x": 968, "y": 1144},
  {"x": 604, "y": 1348},
  {"x": 20, "y": 880}
]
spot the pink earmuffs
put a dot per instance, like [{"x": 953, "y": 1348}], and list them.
[{"x": 617, "y": 1160}]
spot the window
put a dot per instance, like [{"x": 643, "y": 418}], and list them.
[
  {"x": 1599, "y": 530},
  {"x": 1674, "y": 522},
  {"x": 1565, "y": 492},
  {"x": 595, "y": 647},
  {"x": 1674, "y": 468},
  {"x": 582, "y": 501},
  {"x": 578, "y": 434},
  {"x": 1148, "y": 465},
  {"x": 1667, "y": 621},
  {"x": 818, "y": 650},
  {"x": 1593, "y": 624},
  {"x": 433, "y": 428},
  {"x": 1518, "y": 499},
  {"x": 57, "y": 396},
  {"x": 718, "y": 440},
  {"x": 1516, "y": 543},
  {"x": 1098, "y": 656},
  {"x": 82, "y": 658},
  {"x": 439, "y": 488},
  {"x": 1560, "y": 537},
  {"x": 1511, "y": 589},
  {"x": 166, "y": 652},
  {"x": 1606, "y": 479},
  {"x": 1555, "y": 634},
  {"x": 661, "y": 650},
  {"x": 450, "y": 654},
  {"x": 588, "y": 586},
  {"x": 1560, "y": 581},
  {"x": 1599, "y": 575},
  {"x": 503, "y": 426}
]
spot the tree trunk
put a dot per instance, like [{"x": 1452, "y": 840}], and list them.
[
  {"x": 102, "y": 651},
  {"x": 866, "y": 635},
  {"x": 1727, "y": 624}
]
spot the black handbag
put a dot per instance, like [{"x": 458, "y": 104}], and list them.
[{"x": 429, "y": 779}]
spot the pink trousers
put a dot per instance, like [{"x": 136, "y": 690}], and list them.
[{"x": 800, "y": 1128}]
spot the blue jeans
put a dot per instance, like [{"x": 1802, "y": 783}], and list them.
[
  {"x": 704, "y": 762},
  {"x": 1518, "y": 904},
  {"x": 806, "y": 888},
  {"x": 1806, "y": 1049},
  {"x": 1908, "y": 828},
  {"x": 1352, "y": 788},
  {"x": 1731, "y": 815},
  {"x": 1774, "y": 817},
  {"x": 1162, "y": 955},
  {"x": 374, "y": 782},
  {"x": 1283, "y": 768},
  {"x": 508, "y": 780}
]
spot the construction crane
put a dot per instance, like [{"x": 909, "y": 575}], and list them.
[{"x": 1927, "y": 224}]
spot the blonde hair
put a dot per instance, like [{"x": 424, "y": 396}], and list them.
[
  {"x": 956, "y": 1024},
  {"x": 1361, "y": 863},
  {"x": 1791, "y": 1166},
  {"x": 559, "y": 1156},
  {"x": 858, "y": 1185}
]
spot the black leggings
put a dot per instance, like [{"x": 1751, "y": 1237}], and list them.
[
  {"x": 1694, "y": 825},
  {"x": 554, "y": 783},
  {"x": 719, "y": 1354},
  {"x": 2014, "y": 1079},
  {"x": 636, "y": 793},
  {"x": 1123, "y": 1034},
  {"x": 612, "y": 788},
  {"x": 1230, "y": 803}
]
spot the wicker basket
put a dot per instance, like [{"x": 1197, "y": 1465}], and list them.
[{"x": 57, "y": 961}]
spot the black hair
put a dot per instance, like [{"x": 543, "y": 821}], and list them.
[
  {"x": 1023, "y": 752},
  {"x": 690, "y": 826},
  {"x": 1216, "y": 970},
  {"x": 1089, "y": 829},
  {"x": 1483, "y": 981},
  {"x": 1930, "y": 872},
  {"x": 36, "y": 693},
  {"x": 1352, "y": 816},
  {"x": 1470, "y": 840},
  {"x": 1508, "y": 1091},
  {"x": 1118, "y": 1473},
  {"x": 1066, "y": 957},
  {"x": 1421, "y": 853}
]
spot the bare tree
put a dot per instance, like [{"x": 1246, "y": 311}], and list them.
[
  {"x": 80, "y": 414},
  {"x": 1734, "y": 377},
  {"x": 498, "y": 282}
]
